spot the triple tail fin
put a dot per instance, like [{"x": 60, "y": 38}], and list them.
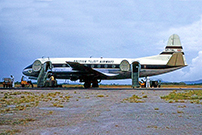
[{"x": 173, "y": 46}]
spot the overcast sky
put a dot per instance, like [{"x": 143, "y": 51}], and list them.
[{"x": 30, "y": 29}]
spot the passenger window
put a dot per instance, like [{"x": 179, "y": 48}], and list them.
[
  {"x": 106, "y": 66},
  {"x": 92, "y": 66},
  {"x": 98, "y": 66},
  {"x": 113, "y": 66},
  {"x": 63, "y": 65}
]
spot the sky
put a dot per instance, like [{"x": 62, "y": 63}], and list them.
[{"x": 31, "y": 29}]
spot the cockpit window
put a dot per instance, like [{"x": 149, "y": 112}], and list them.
[{"x": 30, "y": 66}]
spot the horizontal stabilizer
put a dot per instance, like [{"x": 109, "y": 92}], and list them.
[{"x": 176, "y": 59}]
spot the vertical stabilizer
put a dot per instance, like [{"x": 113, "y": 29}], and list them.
[{"x": 173, "y": 46}]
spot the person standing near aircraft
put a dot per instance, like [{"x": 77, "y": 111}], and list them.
[
  {"x": 52, "y": 78},
  {"x": 12, "y": 81}
]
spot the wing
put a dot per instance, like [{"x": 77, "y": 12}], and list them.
[{"x": 87, "y": 70}]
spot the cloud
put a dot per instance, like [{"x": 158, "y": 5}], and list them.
[
  {"x": 195, "y": 67},
  {"x": 191, "y": 35}
]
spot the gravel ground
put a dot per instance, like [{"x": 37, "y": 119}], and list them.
[{"x": 96, "y": 112}]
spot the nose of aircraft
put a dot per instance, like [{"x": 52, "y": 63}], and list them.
[
  {"x": 24, "y": 72},
  {"x": 27, "y": 71}
]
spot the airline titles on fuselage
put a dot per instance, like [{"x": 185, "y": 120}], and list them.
[{"x": 95, "y": 61}]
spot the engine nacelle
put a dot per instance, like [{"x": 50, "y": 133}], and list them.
[{"x": 36, "y": 66}]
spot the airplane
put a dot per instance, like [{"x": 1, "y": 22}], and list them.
[{"x": 93, "y": 70}]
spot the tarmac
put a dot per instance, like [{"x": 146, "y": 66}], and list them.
[
  {"x": 105, "y": 88},
  {"x": 100, "y": 111}
]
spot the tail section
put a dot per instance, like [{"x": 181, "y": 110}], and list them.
[
  {"x": 173, "y": 46},
  {"x": 174, "y": 49}
]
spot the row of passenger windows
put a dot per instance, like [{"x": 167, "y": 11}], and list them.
[
  {"x": 101, "y": 66},
  {"x": 106, "y": 66},
  {"x": 90, "y": 65}
]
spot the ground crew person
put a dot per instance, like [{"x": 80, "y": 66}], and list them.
[
  {"x": 52, "y": 78},
  {"x": 12, "y": 81},
  {"x": 22, "y": 79},
  {"x": 52, "y": 81}
]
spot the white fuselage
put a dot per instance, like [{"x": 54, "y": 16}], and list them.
[
  {"x": 90, "y": 70},
  {"x": 150, "y": 66}
]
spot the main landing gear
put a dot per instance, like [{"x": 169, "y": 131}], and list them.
[{"x": 94, "y": 82}]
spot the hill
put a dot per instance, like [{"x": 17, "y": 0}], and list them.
[{"x": 194, "y": 82}]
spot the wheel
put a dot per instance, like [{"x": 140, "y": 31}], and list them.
[
  {"x": 87, "y": 85},
  {"x": 95, "y": 83}
]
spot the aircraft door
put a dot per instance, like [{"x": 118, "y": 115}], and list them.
[
  {"x": 47, "y": 66},
  {"x": 135, "y": 72}
]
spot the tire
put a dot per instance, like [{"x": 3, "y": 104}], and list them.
[
  {"x": 87, "y": 85},
  {"x": 95, "y": 85}
]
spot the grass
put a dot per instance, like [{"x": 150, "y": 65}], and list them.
[
  {"x": 193, "y": 95},
  {"x": 133, "y": 99},
  {"x": 178, "y": 111},
  {"x": 26, "y": 100},
  {"x": 100, "y": 95},
  {"x": 10, "y": 132},
  {"x": 152, "y": 126},
  {"x": 145, "y": 96},
  {"x": 16, "y": 121}
]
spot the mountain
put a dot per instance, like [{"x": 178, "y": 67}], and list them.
[{"x": 194, "y": 82}]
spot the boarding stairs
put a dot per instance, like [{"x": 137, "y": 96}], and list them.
[{"x": 43, "y": 75}]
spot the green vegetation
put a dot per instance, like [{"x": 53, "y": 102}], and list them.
[
  {"x": 194, "y": 96},
  {"x": 19, "y": 101},
  {"x": 100, "y": 95},
  {"x": 16, "y": 121},
  {"x": 152, "y": 126},
  {"x": 145, "y": 96},
  {"x": 133, "y": 99},
  {"x": 11, "y": 132}
]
